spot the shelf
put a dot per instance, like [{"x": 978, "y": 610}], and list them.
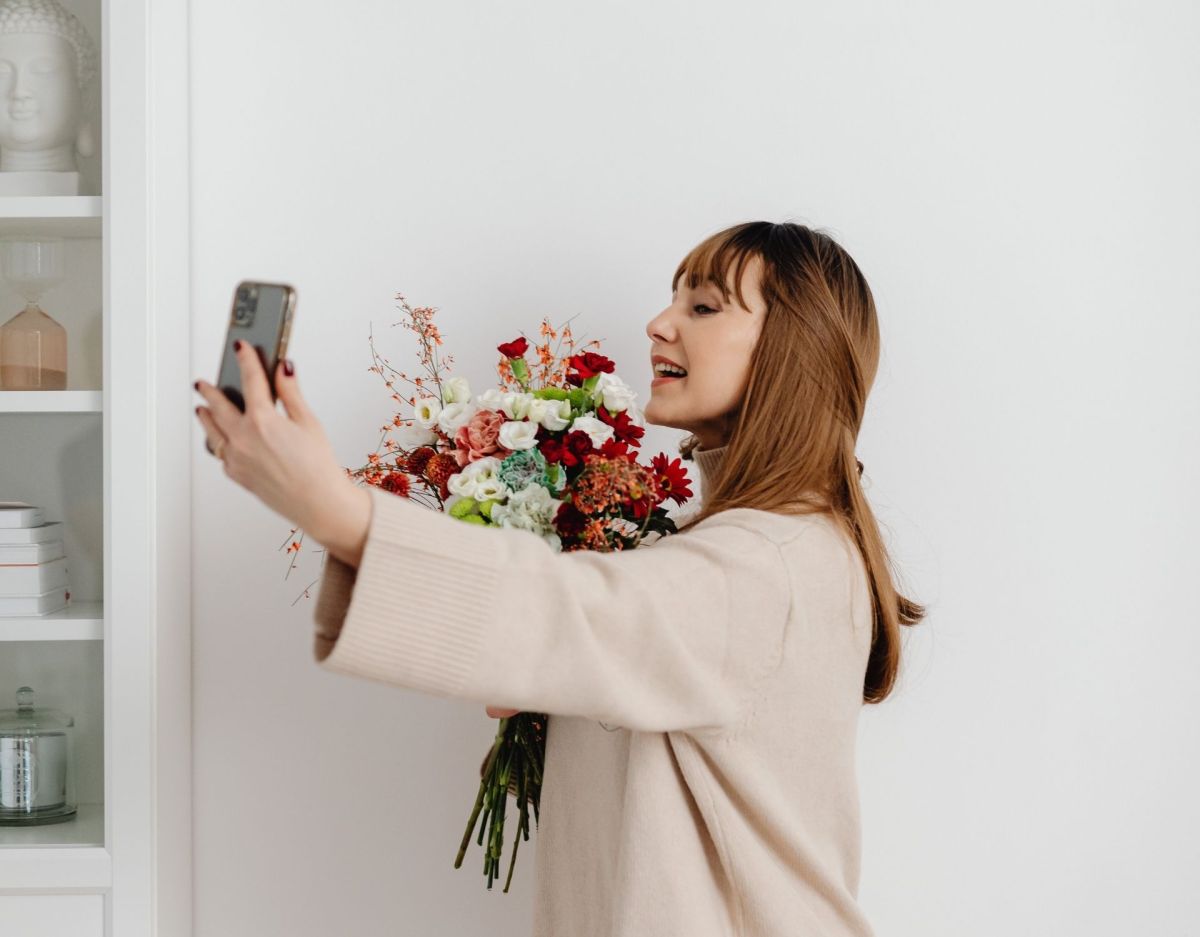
[
  {"x": 56, "y": 855},
  {"x": 71, "y": 216},
  {"x": 79, "y": 621},
  {"x": 51, "y": 401},
  {"x": 86, "y": 828}
]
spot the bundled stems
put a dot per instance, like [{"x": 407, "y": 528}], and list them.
[{"x": 514, "y": 765}]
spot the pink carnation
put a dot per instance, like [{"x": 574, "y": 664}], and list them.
[{"x": 479, "y": 438}]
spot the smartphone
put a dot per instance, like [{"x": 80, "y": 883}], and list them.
[{"x": 262, "y": 317}]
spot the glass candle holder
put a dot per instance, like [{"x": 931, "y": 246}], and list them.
[{"x": 36, "y": 754}]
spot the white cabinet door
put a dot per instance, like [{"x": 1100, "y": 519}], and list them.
[{"x": 52, "y": 915}]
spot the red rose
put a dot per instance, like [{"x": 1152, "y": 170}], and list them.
[
  {"x": 576, "y": 445},
  {"x": 568, "y": 521}
]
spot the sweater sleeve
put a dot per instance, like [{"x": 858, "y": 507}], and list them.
[{"x": 664, "y": 637}]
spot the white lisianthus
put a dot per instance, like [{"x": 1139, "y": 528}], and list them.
[
  {"x": 516, "y": 405},
  {"x": 614, "y": 393},
  {"x": 461, "y": 484},
  {"x": 512, "y": 405},
  {"x": 599, "y": 431},
  {"x": 536, "y": 410},
  {"x": 455, "y": 415},
  {"x": 478, "y": 480},
  {"x": 456, "y": 390},
  {"x": 532, "y": 508},
  {"x": 518, "y": 434},
  {"x": 426, "y": 411},
  {"x": 557, "y": 415},
  {"x": 414, "y": 435},
  {"x": 490, "y": 488},
  {"x": 491, "y": 399}
]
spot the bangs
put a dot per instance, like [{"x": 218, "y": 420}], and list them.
[{"x": 713, "y": 260}]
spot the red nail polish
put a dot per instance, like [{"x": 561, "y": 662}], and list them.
[
  {"x": 288, "y": 368},
  {"x": 237, "y": 345},
  {"x": 196, "y": 385}
]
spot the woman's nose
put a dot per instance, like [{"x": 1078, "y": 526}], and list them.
[{"x": 659, "y": 328}]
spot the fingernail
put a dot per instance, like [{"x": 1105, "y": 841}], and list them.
[
  {"x": 237, "y": 345},
  {"x": 197, "y": 411},
  {"x": 288, "y": 368},
  {"x": 196, "y": 385}
]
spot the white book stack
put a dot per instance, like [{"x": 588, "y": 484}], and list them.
[{"x": 33, "y": 565}]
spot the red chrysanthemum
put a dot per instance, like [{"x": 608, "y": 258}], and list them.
[
  {"x": 398, "y": 483},
  {"x": 672, "y": 479},
  {"x": 440, "y": 468},
  {"x": 618, "y": 450},
  {"x": 418, "y": 459}
]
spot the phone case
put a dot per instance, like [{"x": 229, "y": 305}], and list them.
[{"x": 261, "y": 316}]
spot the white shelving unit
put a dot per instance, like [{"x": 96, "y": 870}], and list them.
[
  {"x": 110, "y": 457},
  {"x": 73, "y": 216},
  {"x": 51, "y": 401}
]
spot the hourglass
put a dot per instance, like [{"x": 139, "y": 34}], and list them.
[{"x": 33, "y": 347}]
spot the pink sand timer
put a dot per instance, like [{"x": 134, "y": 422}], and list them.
[{"x": 33, "y": 347}]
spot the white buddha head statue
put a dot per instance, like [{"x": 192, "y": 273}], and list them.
[{"x": 47, "y": 62}]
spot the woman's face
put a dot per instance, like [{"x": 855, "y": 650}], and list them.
[{"x": 712, "y": 340}]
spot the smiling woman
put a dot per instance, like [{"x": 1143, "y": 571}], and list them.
[
  {"x": 703, "y": 693},
  {"x": 705, "y": 339}
]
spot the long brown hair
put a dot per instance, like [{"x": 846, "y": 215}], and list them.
[{"x": 790, "y": 442}]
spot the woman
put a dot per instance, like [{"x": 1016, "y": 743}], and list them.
[{"x": 704, "y": 692}]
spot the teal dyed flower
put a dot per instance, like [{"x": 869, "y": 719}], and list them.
[{"x": 522, "y": 468}]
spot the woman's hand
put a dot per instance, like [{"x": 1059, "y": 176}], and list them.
[
  {"x": 497, "y": 713},
  {"x": 284, "y": 460}
]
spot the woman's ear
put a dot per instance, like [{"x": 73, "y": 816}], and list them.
[{"x": 85, "y": 139}]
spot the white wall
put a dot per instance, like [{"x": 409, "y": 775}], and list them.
[{"x": 1019, "y": 183}]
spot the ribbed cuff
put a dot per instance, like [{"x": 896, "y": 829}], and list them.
[
  {"x": 335, "y": 588},
  {"x": 421, "y": 598}
]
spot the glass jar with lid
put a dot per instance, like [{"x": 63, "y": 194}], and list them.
[{"x": 36, "y": 772}]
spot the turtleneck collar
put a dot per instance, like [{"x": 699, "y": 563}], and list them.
[{"x": 708, "y": 462}]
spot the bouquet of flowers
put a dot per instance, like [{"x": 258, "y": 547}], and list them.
[{"x": 551, "y": 450}]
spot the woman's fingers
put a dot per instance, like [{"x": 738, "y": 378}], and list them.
[
  {"x": 221, "y": 410},
  {"x": 289, "y": 393},
  {"x": 254, "y": 378},
  {"x": 497, "y": 713},
  {"x": 211, "y": 432}
]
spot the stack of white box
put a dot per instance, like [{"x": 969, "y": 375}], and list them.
[{"x": 33, "y": 565}]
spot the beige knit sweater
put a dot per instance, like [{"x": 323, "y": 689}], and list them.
[{"x": 703, "y": 692}]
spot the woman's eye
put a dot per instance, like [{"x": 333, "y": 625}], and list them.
[{"x": 698, "y": 308}]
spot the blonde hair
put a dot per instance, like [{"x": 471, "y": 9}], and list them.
[{"x": 795, "y": 428}]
